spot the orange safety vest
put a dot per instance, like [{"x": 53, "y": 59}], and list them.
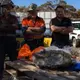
[{"x": 39, "y": 22}]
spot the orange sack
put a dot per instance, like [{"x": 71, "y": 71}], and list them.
[
  {"x": 26, "y": 52},
  {"x": 38, "y": 49}
]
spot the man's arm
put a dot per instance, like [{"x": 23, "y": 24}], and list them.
[
  {"x": 3, "y": 28},
  {"x": 55, "y": 28},
  {"x": 63, "y": 29},
  {"x": 14, "y": 25},
  {"x": 25, "y": 28},
  {"x": 69, "y": 28},
  {"x": 9, "y": 27},
  {"x": 39, "y": 29},
  {"x": 36, "y": 30},
  {"x": 33, "y": 30}
]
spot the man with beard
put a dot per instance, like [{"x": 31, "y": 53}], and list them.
[{"x": 60, "y": 27}]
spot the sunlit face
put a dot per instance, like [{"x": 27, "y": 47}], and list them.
[
  {"x": 60, "y": 12},
  {"x": 33, "y": 14}
]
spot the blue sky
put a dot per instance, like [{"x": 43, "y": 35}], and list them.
[{"x": 75, "y": 3}]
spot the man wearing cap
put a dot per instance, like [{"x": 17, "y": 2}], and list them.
[
  {"x": 8, "y": 25},
  {"x": 33, "y": 28}
]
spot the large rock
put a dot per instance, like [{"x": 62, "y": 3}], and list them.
[{"x": 53, "y": 57}]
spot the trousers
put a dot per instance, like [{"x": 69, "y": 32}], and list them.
[{"x": 7, "y": 46}]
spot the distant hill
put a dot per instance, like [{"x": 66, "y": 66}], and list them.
[{"x": 49, "y": 6}]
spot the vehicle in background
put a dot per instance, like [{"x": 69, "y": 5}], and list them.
[{"x": 75, "y": 35}]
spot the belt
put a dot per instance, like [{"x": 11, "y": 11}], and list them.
[
  {"x": 33, "y": 37},
  {"x": 7, "y": 35},
  {"x": 29, "y": 39}
]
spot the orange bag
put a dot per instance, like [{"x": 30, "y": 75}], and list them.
[
  {"x": 26, "y": 52},
  {"x": 37, "y": 49}
]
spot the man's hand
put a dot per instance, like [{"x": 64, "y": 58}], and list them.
[
  {"x": 33, "y": 28},
  {"x": 57, "y": 29},
  {"x": 62, "y": 30},
  {"x": 67, "y": 30},
  {"x": 29, "y": 28}
]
